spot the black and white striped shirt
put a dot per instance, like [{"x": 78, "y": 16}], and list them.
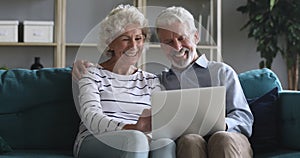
[{"x": 108, "y": 100}]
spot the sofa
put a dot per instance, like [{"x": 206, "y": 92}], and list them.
[
  {"x": 38, "y": 117},
  {"x": 276, "y": 129},
  {"x": 37, "y": 113}
]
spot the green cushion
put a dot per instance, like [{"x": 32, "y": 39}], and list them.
[
  {"x": 37, "y": 109},
  {"x": 25, "y": 88},
  {"x": 290, "y": 118},
  {"x": 281, "y": 153},
  {"x": 37, "y": 154},
  {"x": 258, "y": 82}
]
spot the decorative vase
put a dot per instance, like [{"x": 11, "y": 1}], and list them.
[{"x": 37, "y": 64}]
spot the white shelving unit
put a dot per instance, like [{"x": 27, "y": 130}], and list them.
[
  {"x": 56, "y": 45},
  {"x": 73, "y": 20},
  {"x": 211, "y": 7}
]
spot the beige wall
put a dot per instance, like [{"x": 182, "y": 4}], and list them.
[{"x": 239, "y": 51}]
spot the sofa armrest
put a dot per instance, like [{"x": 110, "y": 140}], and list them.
[{"x": 289, "y": 112}]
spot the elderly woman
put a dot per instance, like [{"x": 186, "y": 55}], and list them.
[{"x": 114, "y": 96}]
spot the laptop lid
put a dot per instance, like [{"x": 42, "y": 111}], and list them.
[{"x": 188, "y": 111}]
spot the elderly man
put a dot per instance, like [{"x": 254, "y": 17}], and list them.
[{"x": 178, "y": 37}]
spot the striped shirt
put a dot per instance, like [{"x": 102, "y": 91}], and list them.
[{"x": 108, "y": 100}]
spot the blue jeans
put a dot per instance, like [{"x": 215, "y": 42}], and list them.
[{"x": 125, "y": 144}]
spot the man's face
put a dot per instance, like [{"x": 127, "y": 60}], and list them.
[{"x": 178, "y": 44}]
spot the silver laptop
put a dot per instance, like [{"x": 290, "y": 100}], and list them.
[{"x": 197, "y": 111}]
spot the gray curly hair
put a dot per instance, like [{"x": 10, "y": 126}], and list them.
[
  {"x": 176, "y": 14},
  {"x": 115, "y": 23}
]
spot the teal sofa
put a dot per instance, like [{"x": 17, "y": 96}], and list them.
[
  {"x": 38, "y": 117},
  {"x": 37, "y": 113},
  {"x": 281, "y": 135}
]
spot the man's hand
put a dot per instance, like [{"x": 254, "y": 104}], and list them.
[
  {"x": 144, "y": 122},
  {"x": 79, "y": 68}
]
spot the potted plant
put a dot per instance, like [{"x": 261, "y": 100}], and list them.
[{"x": 271, "y": 22}]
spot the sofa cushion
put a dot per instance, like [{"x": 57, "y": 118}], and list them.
[
  {"x": 38, "y": 154},
  {"x": 281, "y": 153},
  {"x": 265, "y": 127},
  {"x": 4, "y": 147},
  {"x": 37, "y": 109},
  {"x": 290, "y": 118},
  {"x": 258, "y": 82}
]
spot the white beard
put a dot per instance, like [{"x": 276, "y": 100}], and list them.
[{"x": 186, "y": 62}]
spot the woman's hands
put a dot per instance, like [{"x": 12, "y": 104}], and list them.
[{"x": 143, "y": 124}]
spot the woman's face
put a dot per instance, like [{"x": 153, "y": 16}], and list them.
[{"x": 128, "y": 46}]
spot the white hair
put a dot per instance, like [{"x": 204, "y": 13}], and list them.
[
  {"x": 173, "y": 15},
  {"x": 116, "y": 21}
]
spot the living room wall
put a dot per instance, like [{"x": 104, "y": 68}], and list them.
[{"x": 239, "y": 51}]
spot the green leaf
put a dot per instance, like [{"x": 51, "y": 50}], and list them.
[
  {"x": 269, "y": 63},
  {"x": 272, "y": 4},
  {"x": 262, "y": 64},
  {"x": 258, "y": 17}
]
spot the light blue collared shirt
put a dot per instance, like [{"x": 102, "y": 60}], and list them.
[{"x": 204, "y": 73}]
